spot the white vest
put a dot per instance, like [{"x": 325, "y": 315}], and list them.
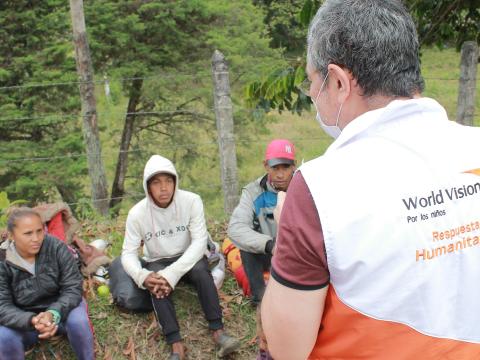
[{"x": 401, "y": 218}]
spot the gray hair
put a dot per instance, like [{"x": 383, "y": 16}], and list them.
[
  {"x": 374, "y": 39},
  {"x": 18, "y": 213}
]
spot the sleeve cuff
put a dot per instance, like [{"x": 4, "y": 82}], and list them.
[
  {"x": 56, "y": 316},
  {"x": 141, "y": 278},
  {"x": 269, "y": 247},
  {"x": 26, "y": 321},
  {"x": 171, "y": 278},
  {"x": 295, "y": 286}
]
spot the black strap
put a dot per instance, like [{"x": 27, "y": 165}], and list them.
[
  {"x": 263, "y": 182},
  {"x": 3, "y": 254}
]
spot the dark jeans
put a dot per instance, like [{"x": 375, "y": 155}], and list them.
[
  {"x": 254, "y": 266},
  {"x": 201, "y": 278},
  {"x": 77, "y": 328}
]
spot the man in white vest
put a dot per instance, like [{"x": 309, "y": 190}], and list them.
[{"x": 378, "y": 251}]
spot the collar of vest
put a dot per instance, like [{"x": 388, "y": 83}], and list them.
[{"x": 395, "y": 110}]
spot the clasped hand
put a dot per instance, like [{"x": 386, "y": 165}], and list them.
[
  {"x": 157, "y": 285},
  {"x": 44, "y": 324}
]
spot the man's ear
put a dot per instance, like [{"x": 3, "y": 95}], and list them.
[
  {"x": 341, "y": 82},
  {"x": 265, "y": 165}
]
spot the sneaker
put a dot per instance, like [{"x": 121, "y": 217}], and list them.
[
  {"x": 174, "y": 356},
  {"x": 226, "y": 345}
]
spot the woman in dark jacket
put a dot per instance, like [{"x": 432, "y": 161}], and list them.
[{"x": 40, "y": 290}]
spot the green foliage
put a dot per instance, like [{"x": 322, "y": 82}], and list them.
[
  {"x": 5, "y": 204},
  {"x": 309, "y": 10},
  {"x": 134, "y": 38},
  {"x": 283, "y": 24},
  {"x": 127, "y": 40},
  {"x": 33, "y": 49},
  {"x": 239, "y": 33},
  {"x": 438, "y": 22},
  {"x": 171, "y": 43},
  {"x": 279, "y": 91},
  {"x": 45, "y": 170},
  {"x": 446, "y": 21},
  {"x": 38, "y": 121}
]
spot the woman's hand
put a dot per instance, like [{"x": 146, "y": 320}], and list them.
[{"x": 45, "y": 325}]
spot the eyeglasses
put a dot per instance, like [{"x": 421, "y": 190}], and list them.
[{"x": 304, "y": 87}]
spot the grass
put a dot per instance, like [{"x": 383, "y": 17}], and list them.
[
  {"x": 441, "y": 70},
  {"x": 114, "y": 329},
  {"x": 123, "y": 335}
]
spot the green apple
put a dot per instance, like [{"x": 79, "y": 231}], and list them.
[{"x": 103, "y": 291}]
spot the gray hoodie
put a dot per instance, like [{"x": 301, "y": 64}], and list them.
[{"x": 178, "y": 230}]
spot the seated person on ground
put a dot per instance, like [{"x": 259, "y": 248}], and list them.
[
  {"x": 171, "y": 224},
  {"x": 40, "y": 290},
  {"x": 252, "y": 227}
]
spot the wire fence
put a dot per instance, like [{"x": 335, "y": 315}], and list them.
[
  {"x": 127, "y": 79},
  {"x": 5, "y": 120},
  {"x": 158, "y": 147},
  {"x": 103, "y": 80}
]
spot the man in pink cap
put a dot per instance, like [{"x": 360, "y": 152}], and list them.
[{"x": 252, "y": 227}]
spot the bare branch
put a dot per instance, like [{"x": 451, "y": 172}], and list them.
[
  {"x": 440, "y": 19},
  {"x": 159, "y": 132},
  {"x": 167, "y": 114},
  {"x": 238, "y": 78},
  {"x": 188, "y": 102}
]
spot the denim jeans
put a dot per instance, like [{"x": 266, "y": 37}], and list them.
[{"x": 77, "y": 328}]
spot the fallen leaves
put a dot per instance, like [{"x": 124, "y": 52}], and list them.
[
  {"x": 108, "y": 354},
  {"x": 130, "y": 349}
]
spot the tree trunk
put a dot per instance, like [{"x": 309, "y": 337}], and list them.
[
  {"x": 225, "y": 130},
  {"x": 96, "y": 169},
  {"x": 68, "y": 196},
  {"x": 468, "y": 83},
  {"x": 118, "y": 187}
]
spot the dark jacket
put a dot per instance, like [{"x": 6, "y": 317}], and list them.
[{"x": 56, "y": 285}]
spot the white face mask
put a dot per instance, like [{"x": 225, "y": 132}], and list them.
[{"x": 333, "y": 130}]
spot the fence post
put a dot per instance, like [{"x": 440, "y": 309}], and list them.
[
  {"x": 226, "y": 139},
  {"x": 96, "y": 169},
  {"x": 467, "y": 85}
]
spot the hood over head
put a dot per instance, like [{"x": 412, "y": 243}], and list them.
[{"x": 155, "y": 165}]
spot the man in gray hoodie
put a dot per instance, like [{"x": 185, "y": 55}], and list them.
[{"x": 171, "y": 224}]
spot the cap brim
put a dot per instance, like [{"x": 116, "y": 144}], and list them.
[{"x": 278, "y": 161}]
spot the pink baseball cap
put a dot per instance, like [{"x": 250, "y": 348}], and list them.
[{"x": 280, "y": 151}]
